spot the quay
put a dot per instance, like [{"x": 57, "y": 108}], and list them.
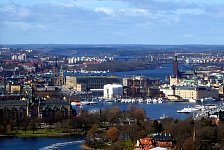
[{"x": 208, "y": 111}]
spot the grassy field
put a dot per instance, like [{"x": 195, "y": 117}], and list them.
[{"x": 43, "y": 132}]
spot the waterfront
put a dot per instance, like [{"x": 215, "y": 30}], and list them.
[
  {"x": 40, "y": 143},
  {"x": 153, "y": 111},
  {"x": 161, "y": 72}
]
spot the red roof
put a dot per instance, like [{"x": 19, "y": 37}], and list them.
[{"x": 146, "y": 141}]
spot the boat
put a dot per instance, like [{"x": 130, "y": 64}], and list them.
[
  {"x": 192, "y": 100},
  {"x": 109, "y": 100},
  {"x": 85, "y": 102},
  {"x": 163, "y": 116},
  {"x": 148, "y": 100},
  {"x": 92, "y": 102},
  {"x": 199, "y": 107},
  {"x": 76, "y": 103},
  {"x": 207, "y": 99},
  {"x": 154, "y": 101},
  {"x": 160, "y": 100},
  {"x": 140, "y": 100},
  {"x": 213, "y": 116},
  {"x": 184, "y": 110},
  {"x": 188, "y": 109}
]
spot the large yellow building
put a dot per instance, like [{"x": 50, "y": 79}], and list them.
[
  {"x": 91, "y": 82},
  {"x": 13, "y": 88},
  {"x": 188, "y": 92}
]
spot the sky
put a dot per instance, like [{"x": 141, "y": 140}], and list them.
[{"x": 165, "y": 22}]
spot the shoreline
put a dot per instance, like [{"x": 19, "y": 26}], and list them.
[
  {"x": 12, "y": 135},
  {"x": 86, "y": 147}
]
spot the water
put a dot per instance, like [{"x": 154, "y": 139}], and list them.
[
  {"x": 40, "y": 143},
  {"x": 153, "y": 111},
  {"x": 159, "y": 72}
]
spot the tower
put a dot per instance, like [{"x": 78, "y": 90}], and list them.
[
  {"x": 175, "y": 67},
  {"x": 56, "y": 68}
]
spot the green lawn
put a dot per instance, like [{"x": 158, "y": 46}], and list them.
[{"x": 42, "y": 132}]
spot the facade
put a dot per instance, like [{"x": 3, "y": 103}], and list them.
[
  {"x": 19, "y": 57},
  {"x": 140, "y": 81},
  {"x": 139, "y": 85},
  {"x": 13, "y": 88},
  {"x": 164, "y": 140},
  {"x": 189, "y": 92},
  {"x": 113, "y": 90},
  {"x": 47, "y": 111},
  {"x": 161, "y": 140},
  {"x": 91, "y": 82}
]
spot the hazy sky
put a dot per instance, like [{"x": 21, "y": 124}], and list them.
[{"x": 112, "y": 21}]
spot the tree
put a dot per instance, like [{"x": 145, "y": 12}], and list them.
[
  {"x": 113, "y": 115},
  {"x": 33, "y": 123},
  {"x": 137, "y": 113},
  {"x": 157, "y": 126},
  {"x": 92, "y": 131},
  {"x": 113, "y": 134}
]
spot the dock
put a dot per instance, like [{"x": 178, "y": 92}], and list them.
[{"x": 205, "y": 113}]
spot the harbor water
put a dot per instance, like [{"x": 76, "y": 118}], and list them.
[{"x": 153, "y": 111}]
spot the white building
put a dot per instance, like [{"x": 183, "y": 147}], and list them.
[
  {"x": 113, "y": 90},
  {"x": 71, "y": 60},
  {"x": 22, "y": 57},
  {"x": 14, "y": 57}
]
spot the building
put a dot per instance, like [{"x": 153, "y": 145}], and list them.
[
  {"x": 175, "y": 67},
  {"x": 47, "y": 111},
  {"x": 91, "y": 82},
  {"x": 144, "y": 144},
  {"x": 13, "y": 88},
  {"x": 179, "y": 76},
  {"x": 22, "y": 57},
  {"x": 19, "y": 57},
  {"x": 164, "y": 140},
  {"x": 113, "y": 90},
  {"x": 190, "y": 92},
  {"x": 158, "y": 140},
  {"x": 139, "y": 85}
]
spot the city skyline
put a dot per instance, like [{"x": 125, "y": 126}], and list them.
[{"x": 111, "y": 22}]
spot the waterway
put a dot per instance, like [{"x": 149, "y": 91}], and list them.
[
  {"x": 153, "y": 111},
  {"x": 40, "y": 143},
  {"x": 161, "y": 72}
]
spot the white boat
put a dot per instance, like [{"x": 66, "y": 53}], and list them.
[
  {"x": 92, "y": 102},
  {"x": 77, "y": 103},
  {"x": 192, "y": 100},
  {"x": 188, "y": 110},
  {"x": 160, "y": 101},
  {"x": 109, "y": 100},
  {"x": 199, "y": 107},
  {"x": 148, "y": 100},
  {"x": 184, "y": 110},
  {"x": 85, "y": 102},
  {"x": 207, "y": 99},
  {"x": 154, "y": 101},
  {"x": 163, "y": 116},
  {"x": 140, "y": 100},
  {"x": 133, "y": 100},
  {"x": 213, "y": 116}
]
